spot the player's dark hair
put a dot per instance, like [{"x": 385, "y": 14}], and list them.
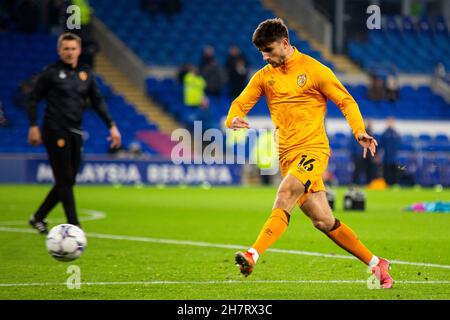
[
  {"x": 269, "y": 31},
  {"x": 68, "y": 36}
]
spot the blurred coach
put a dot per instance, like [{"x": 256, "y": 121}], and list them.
[{"x": 66, "y": 86}]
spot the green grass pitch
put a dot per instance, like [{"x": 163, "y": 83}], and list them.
[{"x": 179, "y": 243}]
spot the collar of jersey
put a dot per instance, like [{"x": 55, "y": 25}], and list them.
[
  {"x": 68, "y": 66},
  {"x": 293, "y": 59}
]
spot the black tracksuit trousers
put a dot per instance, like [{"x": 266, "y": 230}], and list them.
[{"x": 64, "y": 155}]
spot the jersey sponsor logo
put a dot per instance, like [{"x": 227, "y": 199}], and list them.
[
  {"x": 62, "y": 74},
  {"x": 301, "y": 80},
  {"x": 83, "y": 75},
  {"x": 61, "y": 143}
]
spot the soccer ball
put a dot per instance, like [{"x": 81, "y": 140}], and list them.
[{"x": 66, "y": 242}]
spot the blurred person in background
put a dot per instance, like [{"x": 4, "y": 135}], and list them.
[
  {"x": 194, "y": 89},
  {"x": 194, "y": 86},
  {"x": 392, "y": 90},
  {"x": 208, "y": 54},
  {"x": 357, "y": 161},
  {"x": 390, "y": 144},
  {"x": 366, "y": 166},
  {"x": 65, "y": 85},
  {"x": 237, "y": 71},
  {"x": 376, "y": 89},
  {"x": 211, "y": 72}
]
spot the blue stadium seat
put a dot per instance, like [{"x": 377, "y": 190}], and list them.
[
  {"x": 173, "y": 43},
  {"x": 407, "y": 47},
  {"x": 14, "y": 47}
]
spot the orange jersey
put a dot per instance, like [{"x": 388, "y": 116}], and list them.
[{"x": 296, "y": 95}]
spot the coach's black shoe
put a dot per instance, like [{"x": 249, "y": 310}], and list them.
[{"x": 40, "y": 226}]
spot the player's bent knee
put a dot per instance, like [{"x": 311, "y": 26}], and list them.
[
  {"x": 282, "y": 203},
  {"x": 284, "y": 194},
  {"x": 290, "y": 192},
  {"x": 323, "y": 225},
  {"x": 286, "y": 199}
]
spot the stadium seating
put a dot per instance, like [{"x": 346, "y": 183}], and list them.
[
  {"x": 425, "y": 158},
  {"x": 415, "y": 151},
  {"x": 414, "y": 103},
  {"x": 411, "y": 46},
  {"x": 163, "y": 42},
  {"x": 23, "y": 55}
]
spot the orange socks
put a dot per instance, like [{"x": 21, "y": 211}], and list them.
[
  {"x": 347, "y": 240},
  {"x": 341, "y": 234},
  {"x": 272, "y": 230}
]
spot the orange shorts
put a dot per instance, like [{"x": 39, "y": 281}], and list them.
[{"x": 306, "y": 165}]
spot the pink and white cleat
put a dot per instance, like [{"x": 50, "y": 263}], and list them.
[{"x": 381, "y": 272}]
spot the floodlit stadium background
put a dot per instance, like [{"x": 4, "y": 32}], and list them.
[{"x": 139, "y": 50}]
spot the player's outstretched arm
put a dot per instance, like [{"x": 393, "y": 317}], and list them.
[
  {"x": 367, "y": 142},
  {"x": 244, "y": 103}
]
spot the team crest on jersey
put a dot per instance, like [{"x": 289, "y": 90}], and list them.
[
  {"x": 301, "y": 80},
  {"x": 62, "y": 74},
  {"x": 83, "y": 75},
  {"x": 271, "y": 82}
]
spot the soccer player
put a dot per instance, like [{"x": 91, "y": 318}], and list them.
[
  {"x": 65, "y": 85},
  {"x": 296, "y": 88}
]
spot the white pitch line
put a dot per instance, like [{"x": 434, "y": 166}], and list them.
[
  {"x": 92, "y": 215},
  {"x": 225, "y": 246},
  {"x": 206, "y": 282}
]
